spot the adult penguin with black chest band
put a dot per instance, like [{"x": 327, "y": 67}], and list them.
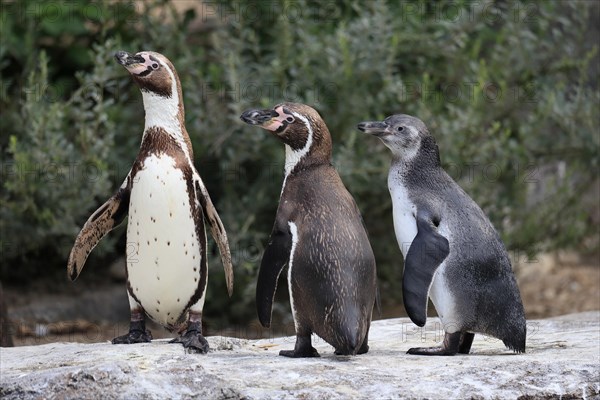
[
  {"x": 319, "y": 234},
  {"x": 167, "y": 204},
  {"x": 452, "y": 253}
]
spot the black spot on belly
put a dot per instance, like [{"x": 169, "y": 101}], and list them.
[{"x": 168, "y": 243}]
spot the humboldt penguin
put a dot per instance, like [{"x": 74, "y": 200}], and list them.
[
  {"x": 452, "y": 253},
  {"x": 166, "y": 203},
  {"x": 320, "y": 236}
]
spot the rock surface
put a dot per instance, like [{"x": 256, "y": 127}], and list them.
[{"x": 562, "y": 361}]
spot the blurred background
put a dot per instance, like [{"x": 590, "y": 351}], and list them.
[{"x": 509, "y": 89}]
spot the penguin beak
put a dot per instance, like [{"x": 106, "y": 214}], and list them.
[
  {"x": 275, "y": 120},
  {"x": 374, "y": 128},
  {"x": 127, "y": 60},
  {"x": 258, "y": 117}
]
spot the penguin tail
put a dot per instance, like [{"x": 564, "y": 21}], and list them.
[
  {"x": 350, "y": 346},
  {"x": 518, "y": 346},
  {"x": 352, "y": 334},
  {"x": 356, "y": 341},
  {"x": 516, "y": 341}
]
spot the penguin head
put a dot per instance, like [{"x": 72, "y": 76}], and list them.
[
  {"x": 152, "y": 71},
  {"x": 402, "y": 134},
  {"x": 297, "y": 125}
]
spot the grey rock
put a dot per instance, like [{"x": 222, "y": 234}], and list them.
[{"x": 562, "y": 361}]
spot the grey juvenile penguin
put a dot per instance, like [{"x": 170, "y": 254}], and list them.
[
  {"x": 319, "y": 234},
  {"x": 452, "y": 253},
  {"x": 167, "y": 204}
]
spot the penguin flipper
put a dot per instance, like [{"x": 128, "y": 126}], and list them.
[
  {"x": 427, "y": 251},
  {"x": 102, "y": 221},
  {"x": 217, "y": 230},
  {"x": 275, "y": 258}
]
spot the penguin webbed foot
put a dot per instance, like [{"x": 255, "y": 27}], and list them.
[
  {"x": 192, "y": 340},
  {"x": 458, "y": 342},
  {"x": 303, "y": 349},
  {"x": 134, "y": 336},
  {"x": 312, "y": 352}
]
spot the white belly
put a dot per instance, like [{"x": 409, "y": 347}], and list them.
[
  {"x": 163, "y": 250},
  {"x": 440, "y": 294},
  {"x": 404, "y": 212},
  {"x": 405, "y": 227}
]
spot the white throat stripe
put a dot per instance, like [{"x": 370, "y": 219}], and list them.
[{"x": 293, "y": 157}]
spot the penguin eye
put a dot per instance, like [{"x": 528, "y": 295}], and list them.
[
  {"x": 400, "y": 128},
  {"x": 290, "y": 119}
]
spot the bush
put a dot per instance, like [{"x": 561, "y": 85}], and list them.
[{"x": 509, "y": 90}]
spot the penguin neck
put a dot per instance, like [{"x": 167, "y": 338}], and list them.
[
  {"x": 419, "y": 163},
  {"x": 313, "y": 153},
  {"x": 168, "y": 114},
  {"x": 164, "y": 112},
  {"x": 294, "y": 158}
]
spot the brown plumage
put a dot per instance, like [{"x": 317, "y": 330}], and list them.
[{"x": 319, "y": 234}]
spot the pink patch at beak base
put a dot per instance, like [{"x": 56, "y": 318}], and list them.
[
  {"x": 276, "y": 122},
  {"x": 141, "y": 67}
]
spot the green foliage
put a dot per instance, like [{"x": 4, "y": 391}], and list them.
[{"x": 509, "y": 90}]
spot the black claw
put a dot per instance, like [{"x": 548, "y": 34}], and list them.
[{"x": 134, "y": 336}]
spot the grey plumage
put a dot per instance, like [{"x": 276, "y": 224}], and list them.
[{"x": 452, "y": 252}]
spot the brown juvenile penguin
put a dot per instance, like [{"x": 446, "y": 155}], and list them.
[
  {"x": 167, "y": 204},
  {"x": 319, "y": 234}
]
